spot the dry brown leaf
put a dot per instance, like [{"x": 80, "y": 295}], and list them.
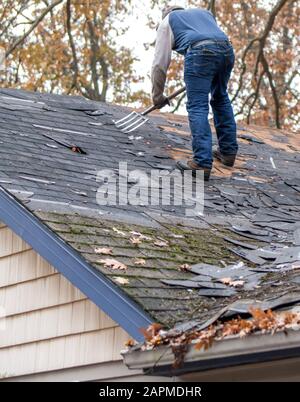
[
  {"x": 140, "y": 261},
  {"x": 226, "y": 281},
  {"x": 120, "y": 280},
  {"x": 113, "y": 264},
  {"x": 130, "y": 343},
  {"x": 103, "y": 250},
  {"x": 151, "y": 331},
  {"x": 140, "y": 236},
  {"x": 230, "y": 282},
  {"x": 263, "y": 321},
  {"x": 135, "y": 241}
]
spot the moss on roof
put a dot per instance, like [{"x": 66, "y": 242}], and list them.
[{"x": 185, "y": 245}]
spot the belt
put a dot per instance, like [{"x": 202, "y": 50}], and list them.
[{"x": 207, "y": 42}]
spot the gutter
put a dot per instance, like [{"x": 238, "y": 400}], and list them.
[
  {"x": 96, "y": 286},
  {"x": 233, "y": 351}
]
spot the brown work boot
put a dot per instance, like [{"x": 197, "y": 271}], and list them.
[
  {"x": 227, "y": 160},
  {"x": 190, "y": 164}
]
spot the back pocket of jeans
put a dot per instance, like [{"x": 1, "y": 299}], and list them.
[{"x": 204, "y": 57}]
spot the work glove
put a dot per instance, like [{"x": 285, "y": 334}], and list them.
[{"x": 161, "y": 101}]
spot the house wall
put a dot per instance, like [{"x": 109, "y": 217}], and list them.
[{"x": 50, "y": 325}]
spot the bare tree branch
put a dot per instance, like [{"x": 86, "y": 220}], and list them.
[
  {"x": 13, "y": 18},
  {"x": 74, "y": 64},
  {"x": 34, "y": 25},
  {"x": 244, "y": 67},
  {"x": 95, "y": 58},
  {"x": 260, "y": 59},
  {"x": 179, "y": 102},
  {"x": 256, "y": 93},
  {"x": 212, "y": 7},
  {"x": 268, "y": 29},
  {"x": 273, "y": 89}
]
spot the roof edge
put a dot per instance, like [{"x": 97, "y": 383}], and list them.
[
  {"x": 99, "y": 289},
  {"x": 235, "y": 351}
]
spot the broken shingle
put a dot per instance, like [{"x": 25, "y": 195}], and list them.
[{"x": 217, "y": 292}]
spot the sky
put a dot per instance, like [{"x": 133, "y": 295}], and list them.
[{"x": 139, "y": 34}]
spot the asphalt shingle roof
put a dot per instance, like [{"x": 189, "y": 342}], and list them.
[{"x": 255, "y": 205}]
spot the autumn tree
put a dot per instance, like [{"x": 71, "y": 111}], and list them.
[
  {"x": 68, "y": 46},
  {"x": 72, "y": 47},
  {"x": 265, "y": 35}
]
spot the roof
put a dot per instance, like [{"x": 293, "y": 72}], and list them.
[{"x": 51, "y": 150}]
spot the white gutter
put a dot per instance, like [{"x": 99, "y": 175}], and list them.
[{"x": 224, "y": 353}]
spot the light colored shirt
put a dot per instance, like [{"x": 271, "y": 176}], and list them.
[{"x": 162, "y": 59}]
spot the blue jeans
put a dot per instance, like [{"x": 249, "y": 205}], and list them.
[{"x": 207, "y": 71}]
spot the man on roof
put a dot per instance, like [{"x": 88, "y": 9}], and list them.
[{"x": 209, "y": 60}]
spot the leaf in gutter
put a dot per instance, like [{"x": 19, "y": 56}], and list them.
[
  {"x": 103, "y": 250},
  {"x": 113, "y": 264},
  {"x": 130, "y": 343},
  {"x": 151, "y": 331},
  {"x": 264, "y": 320},
  {"x": 140, "y": 261},
  {"x": 120, "y": 280}
]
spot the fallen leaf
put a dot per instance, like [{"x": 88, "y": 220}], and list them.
[
  {"x": 103, "y": 250},
  {"x": 226, "y": 281},
  {"x": 130, "y": 343},
  {"x": 140, "y": 236},
  {"x": 230, "y": 282},
  {"x": 140, "y": 261},
  {"x": 120, "y": 280},
  {"x": 185, "y": 268},
  {"x": 135, "y": 240},
  {"x": 161, "y": 243},
  {"x": 119, "y": 232},
  {"x": 151, "y": 331},
  {"x": 113, "y": 264}
]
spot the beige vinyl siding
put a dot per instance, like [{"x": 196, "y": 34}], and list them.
[
  {"x": 49, "y": 325},
  {"x": 60, "y": 353},
  {"x": 22, "y": 267},
  {"x": 10, "y": 243}
]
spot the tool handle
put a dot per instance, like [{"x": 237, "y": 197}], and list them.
[
  {"x": 175, "y": 94},
  {"x": 169, "y": 98}
]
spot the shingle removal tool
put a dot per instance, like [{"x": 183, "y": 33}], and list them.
[{"x": 135, "y": 119}]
